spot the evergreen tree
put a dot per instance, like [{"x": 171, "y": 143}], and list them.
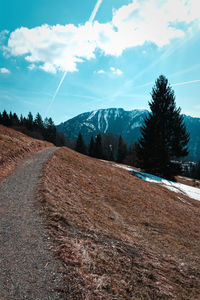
[
  {"x": 80, "y": 145},
  {"x": 10, "y": 123},
  {"x": 21, "y": 120},
  {"x": 109, "y": 146},
  {"x": 15, "y": 120},
  {"x": 91, "y": 147},
  {"x": 38, "y": 123},
  {"x": 111, "y": 154},
  {"x": 164, "y": 137},
  {"x": 49, "y": 131},
  {"x": 98, "y": 151},
  {"x": 29, "y": 122},
  {"x": 5, "y": 119},
  {"x": 122, "y": 150}
]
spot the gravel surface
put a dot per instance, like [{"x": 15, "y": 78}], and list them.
[{"x": 28, "y": 269}]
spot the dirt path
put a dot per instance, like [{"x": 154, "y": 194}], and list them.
[{"x": 28, "y": 269}]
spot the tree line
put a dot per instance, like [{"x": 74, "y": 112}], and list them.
[
  {"x": 108, "y": 147},
  {"x": 34, "y": 127}
]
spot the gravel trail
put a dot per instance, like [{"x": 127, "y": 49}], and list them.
[{"x": 28, "y": 269}]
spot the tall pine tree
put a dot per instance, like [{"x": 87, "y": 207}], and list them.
[{"x": 164, "y": 137}]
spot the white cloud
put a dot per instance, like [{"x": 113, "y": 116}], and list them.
[
  {"x": 32, "y": 67},
  {"x": 3, "y": 34},
  {"x": 101, "y": 72},
  {"x": 116, "y": 71},
  {"x": 61, "y": 47},
  {"x": 47, "y": 67},
  {"x": 4, "y": 71}
]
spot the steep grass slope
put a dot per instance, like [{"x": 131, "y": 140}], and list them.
[
  {"x": 120, "y": 237},
  {"x": 14, "y": 146}
]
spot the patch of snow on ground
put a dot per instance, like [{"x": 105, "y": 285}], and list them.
[{"x": 176, "y": 187}]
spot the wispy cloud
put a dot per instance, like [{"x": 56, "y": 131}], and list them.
[
  {"x": 4, "y": 71},
  {"x": 187, "y": 70},
  {"x": 185, "y": 82},
  {"x": 116, "y": 71},
  {"x": 32, "y": 67},
  {"x": 101, "y": 71}
]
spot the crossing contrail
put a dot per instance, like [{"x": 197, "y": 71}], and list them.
[
  {"x": 185, "y": 82},
  {"x": 91, "y": 19}
]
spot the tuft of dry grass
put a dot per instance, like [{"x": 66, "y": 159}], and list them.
[
  {"x": 15, "y": 146},
  {"x": 119, "y": 237}
]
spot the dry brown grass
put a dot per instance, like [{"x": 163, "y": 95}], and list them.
[
  {"x": 15, "y": 146},
  {"x": 118, "y": 236}
]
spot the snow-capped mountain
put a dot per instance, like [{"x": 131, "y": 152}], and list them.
[
  {"x": 125, "y": 123},
  {"x": 113, "y": 120}
]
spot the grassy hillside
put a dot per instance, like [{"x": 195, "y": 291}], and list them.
[
  {"x": 120, "y": 237},
  {"x": 14, "y": 146}
]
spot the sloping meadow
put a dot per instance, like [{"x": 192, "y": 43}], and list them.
[
  {"x": 118, "y": 236},
  {"x": 15, "y": 146}
]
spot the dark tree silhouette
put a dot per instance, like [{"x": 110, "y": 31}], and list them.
[
  {"x": 35, "y": 128},
  {"x": 164, "y": 137},
  {"x": 49, "y": 131},
  {"x": 5, "y": 119},
  {"x": 131, "y": 158},
  {"x": 80, "y": 145},
  {"x": 38, "y": 123},
  {"x": 122, "y": 150},
  {"x": 91, "y": 147},
  {"x": 15, "y": 120},
  {"x": 29, "y": 121},
  {"x": 98, "y": 151},
  {"x": 109, "y": 145}
]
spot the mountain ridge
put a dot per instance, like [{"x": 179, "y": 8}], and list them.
[{"x": 118, "y": 121}]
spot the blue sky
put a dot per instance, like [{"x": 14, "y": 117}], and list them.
[{"x": 108, "y": 57}]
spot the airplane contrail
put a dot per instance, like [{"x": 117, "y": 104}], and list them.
[
  {"x": 95, "y": 10},
  {"x": 185, "y": 82},
  {"x": 56, "y": 92},
  {"x": 91, "y": 19}
]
